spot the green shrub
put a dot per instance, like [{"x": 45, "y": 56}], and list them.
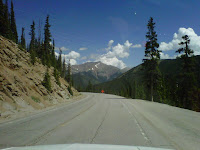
[
  {"x": 56, "y": 76},
  {"x": 70, "y": 90},
  {"x": 47, "y": 81},
  {"x": 37, "y": 100}
]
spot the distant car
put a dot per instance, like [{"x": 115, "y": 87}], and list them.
[{"x": 84, "y": 147}]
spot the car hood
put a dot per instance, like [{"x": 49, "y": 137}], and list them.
[{"x": 84, "y": 147}]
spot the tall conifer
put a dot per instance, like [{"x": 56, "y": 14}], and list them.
[
  {"x": 152, "y": 55},
  {"x": 23, "y": 41},
  {"x": 1, "y": 17},
  {"x": 13, "y": 24},
  {"x": 47, "y": 40}
]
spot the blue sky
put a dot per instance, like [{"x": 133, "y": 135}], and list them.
[{"x": 91, "y": 24}]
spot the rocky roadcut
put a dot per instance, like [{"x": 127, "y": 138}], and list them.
[{"x": 21, "y": 88}]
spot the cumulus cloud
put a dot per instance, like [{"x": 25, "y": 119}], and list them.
[
  {"x": 113, "y": 61},
  {"x": 137, "y": 46},
  {"x": 83, "y": 48},
  {"x": 166, "y": 56},
  {"x": 73, "y": 62},
  {"x": 72, "y": 56},
  {"x": 109, "y": 45},
  {"x": 177, "y": 38},
  {"x": 62, "y": 48},
  {"x": 115, "y": 53}
]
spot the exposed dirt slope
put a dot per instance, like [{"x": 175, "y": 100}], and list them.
[{"x": 20, "y": 82}]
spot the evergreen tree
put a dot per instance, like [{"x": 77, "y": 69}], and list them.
[
  {"x": 152, "y": 55},
  {"x": 32, "y": 43},
  {"x": 63, "y": 69},
  {"x": 47, "y": 40},
  {"x": 23, "y": 41},
  {"x": 187, "y": 81},
  {"x": 68, "y": 76},
  {"x": 6, "y": 24},
  {"x": 32, "y": 34},
  {"x": 69, "y": 88},
  {"x": 13, "y": 24},
  {"x": 56, "y": 76},
  {"x": 39, "y": 48},
  {"x": 47, "y": 81},
  {"x": 53, "y": 57},
  {"x": 59, "y": 63},
  {"x": 1, "y": 17}
]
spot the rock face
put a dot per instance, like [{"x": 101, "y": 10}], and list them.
[{"x": 20, "y": 82}]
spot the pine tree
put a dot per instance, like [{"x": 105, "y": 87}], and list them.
[
  {"x": 47, "y": 40},
  {"x": 59, "y": 63},
  {"x": 1, "y": 17},
  {"x": 56, "y": 76},
  {"x": 187, "y": 81},
  {"x": 6, "y": 24},
  {"x": 23, "y": 41},
  {"x": 32, "y": 34},
  {"x": 47, "y": 81},
  {"x": 39, "y": 48},
  {"x": 152, "y": 55},
  {"x": 53, "y": 57},
  {"x": 32, "y": 43},
  {"x": 13, "y": 24},
  {"x": 68, "y": 76},
  {"x": 63, "y": 69}
]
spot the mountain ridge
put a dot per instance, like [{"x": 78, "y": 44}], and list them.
[{"x": 94, "y": 72}]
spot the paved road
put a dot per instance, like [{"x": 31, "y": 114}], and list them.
[{"x": 107, "y": 119}]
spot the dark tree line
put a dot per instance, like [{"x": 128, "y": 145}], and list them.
[{"x": 8, "y": 27}]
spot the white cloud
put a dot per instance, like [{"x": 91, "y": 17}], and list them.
[
  {"x": 73, "y": 56},
  {"x": 137, "y": 46},
  {"x": 62, "y": 48},
  {"x": 166, "y": 56},
  {"x": 109, "y": 45},
  {"x": 115, "y": 53},
  {"x": 73, "y": 62},
  {"x": 113, "y": 61},
  {"x": 174, "y": 44},
  {"x": 121, "y": 51},
  {"x": 83, "y": 48}
]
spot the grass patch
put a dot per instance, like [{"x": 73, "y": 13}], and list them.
[{"x": 37, "y": 100}]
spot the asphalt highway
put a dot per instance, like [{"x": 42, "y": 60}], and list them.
[{"x": 107, "y": 119}]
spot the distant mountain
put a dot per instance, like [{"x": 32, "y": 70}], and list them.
[{"x": 95, "y": 72}]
